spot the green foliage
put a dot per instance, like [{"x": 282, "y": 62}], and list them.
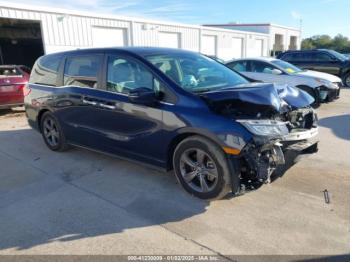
[{"x": 339, "y": 43}]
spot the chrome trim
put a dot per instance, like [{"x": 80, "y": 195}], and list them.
[{"x": 302, "y": 135}]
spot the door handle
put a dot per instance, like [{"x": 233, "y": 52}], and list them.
[
  {"x": 107, "y": 106},
  {"x": 88, "y": 102}
]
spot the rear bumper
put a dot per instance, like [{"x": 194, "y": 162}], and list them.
[{"x": 7, "y": 106}]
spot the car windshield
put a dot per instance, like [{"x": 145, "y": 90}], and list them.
[
  {"x": 195, "y": 72},
  {"x": 339, "y": 55},
  {"x": 289, "y": 68},
  {"x": 9, "y": 71}
]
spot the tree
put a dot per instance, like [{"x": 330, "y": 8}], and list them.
[{"x": 339, "y": 43}]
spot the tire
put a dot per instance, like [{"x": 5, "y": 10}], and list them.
[
  {"x": 312, "y": 92},
  {"x": 52, "y": 133},
  {"x": 347, "y": 80},
  {"x": 213, "y": 159}
]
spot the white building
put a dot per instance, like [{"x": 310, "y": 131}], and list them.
[
  {"x": 282, "y": 38},
  {"x": 27, "y": 32}
]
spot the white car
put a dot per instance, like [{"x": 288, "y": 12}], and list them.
[{"x": 322, "y": 86}]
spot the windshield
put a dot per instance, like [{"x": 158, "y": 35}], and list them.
[
  {"x": 339, "y": 55},
  {"x": 289, "y": 68},
  {"x": 195, "y": 72}
]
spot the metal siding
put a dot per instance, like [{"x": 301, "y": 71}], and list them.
[{"x": 71, "y": 31}]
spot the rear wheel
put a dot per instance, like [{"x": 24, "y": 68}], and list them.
[
  {"x": 347, "y": 80},
  {"x": 202, "y": 169},
  {"x": 312, "y": 92},
  {"x": 52, "y": 133}
]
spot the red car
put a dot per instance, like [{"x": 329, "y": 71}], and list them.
[{"x": 13, "y": 79}]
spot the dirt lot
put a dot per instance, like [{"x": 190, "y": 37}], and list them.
[{"x": 80, "y": 202}]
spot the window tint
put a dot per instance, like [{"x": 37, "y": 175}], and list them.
[
  {"x": 321, "y": 57},
  {"x": 240, "y": 66},
  {"x": 9, "y": 71},
  {"x": 261, "y": 67},
  {"x": 299, "y": 57},
  {"x": 46, "y": 70},
  {"x": 124, "y": 75},
  {"x": 82, "y": 70}
]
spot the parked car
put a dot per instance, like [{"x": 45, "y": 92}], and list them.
[
  {"x": 217, "y": 59},
  {"x": 323, "y": 60},
  {"x": 321, "y": 86},
  {"x": 13, "y": 79},
  {"x": 173, "y": 109}
]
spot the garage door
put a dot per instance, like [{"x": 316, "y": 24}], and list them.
[
  {"x": 20, "y": 41},
  {"x": 168, "y": 39},
  {"x": 259, "y": 47},
  {"x": 208, "y": 45},
  {"x": 108, "y": 37},
  {"x": 237, "y": 47}
]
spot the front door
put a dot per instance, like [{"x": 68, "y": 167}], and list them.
[{"x": 119, "y": 126}]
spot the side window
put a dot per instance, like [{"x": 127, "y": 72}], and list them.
[
  {"x": 261, "y": 67},
  {"x": 82, "y": 70},
  {"x": 239, "y": 66},
  {"x": 46, "y": 70},
  {"x": 322, "y": 57},
  {"x": 125, "y": 74},
  {"x": 289, "y": 57}
]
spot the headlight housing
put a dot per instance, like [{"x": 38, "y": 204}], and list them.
[
  {"x": 326, "y": 83},
  {"x": 265, "y": 127}
]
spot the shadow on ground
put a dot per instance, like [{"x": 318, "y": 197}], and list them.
[
  {"x": 47, "y": 197},
  {"x": 58, "y": 197},
  {"x": 340, "y": 125}
]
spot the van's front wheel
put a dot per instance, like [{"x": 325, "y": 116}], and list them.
[{"x": 201, "y": 168}]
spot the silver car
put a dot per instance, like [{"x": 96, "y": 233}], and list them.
[{"x": 321, "y": 86}]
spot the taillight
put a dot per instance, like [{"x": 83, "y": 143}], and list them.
[{"x": 26, "y": 90}]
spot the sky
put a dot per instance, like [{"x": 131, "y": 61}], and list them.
[{"x": 330, "y": 17}]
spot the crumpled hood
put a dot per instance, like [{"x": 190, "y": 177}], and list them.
[
  {"x": 315, "y": 74},
  {"x": 262, "y": 95}
]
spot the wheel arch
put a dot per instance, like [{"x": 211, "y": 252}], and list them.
[
  {"x": 184, "y": 135},
  {"x": 40, "y": 115}
]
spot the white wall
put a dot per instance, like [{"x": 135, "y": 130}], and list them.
[{"x": 68, "y": 30}]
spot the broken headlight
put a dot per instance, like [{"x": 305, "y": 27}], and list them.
[{"x": 265, "y": 127}]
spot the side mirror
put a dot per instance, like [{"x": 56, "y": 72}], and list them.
[
  {"x": 276, "y": 72},
  {"x": 142, "y": 96}
]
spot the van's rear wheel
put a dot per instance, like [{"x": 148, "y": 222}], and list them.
[
  {"x": 201, "y": 168},
  {"x": 52, "y": 133}
]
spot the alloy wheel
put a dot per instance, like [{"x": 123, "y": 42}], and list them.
[
  {"x": 198, "y": 170},
  {"x": 347, "y": 81},
  {"x": 51, "y": 133}
]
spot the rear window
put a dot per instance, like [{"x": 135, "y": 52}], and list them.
[
  {"x": 45, "y": 70},
  {"x": 82, "y": 70},
  {"x": 241, "y": 66},
  {"x": 9, "y": 71}
]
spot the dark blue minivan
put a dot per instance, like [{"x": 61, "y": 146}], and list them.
[{"x": 173, "y": 109}]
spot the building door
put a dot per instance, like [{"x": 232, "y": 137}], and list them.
[
  {"x": 109, "y": 37},
  {"x": 237, "y": 47},
  {"x": 169, "y": 39},
  {"x": 208, "y": 45}
]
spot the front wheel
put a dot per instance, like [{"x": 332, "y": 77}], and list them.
[
  {"x": 202, "y": 169},
  {"x": 52, "y": 133}
]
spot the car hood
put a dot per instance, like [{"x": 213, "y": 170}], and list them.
[
  {"x": 259, "y": 98},
  {"x": 320, "y": 75}
]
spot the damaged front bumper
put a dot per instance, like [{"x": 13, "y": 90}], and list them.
[{"x": 259, "y": 160}]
